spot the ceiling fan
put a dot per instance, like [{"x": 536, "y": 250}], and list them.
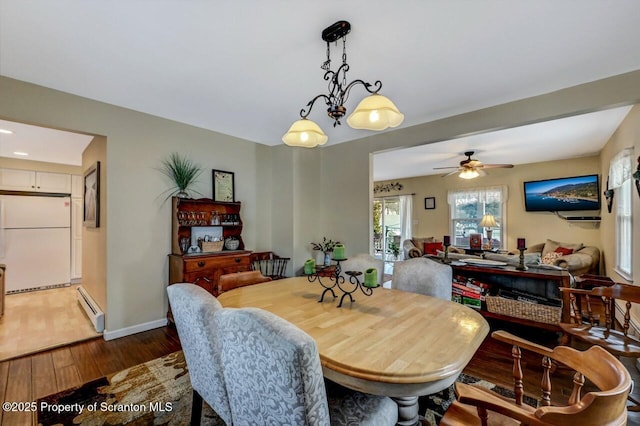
[{"x": 471, "y": 168}]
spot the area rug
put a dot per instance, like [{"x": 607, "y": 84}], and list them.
[{"x": 159, "y": 392}]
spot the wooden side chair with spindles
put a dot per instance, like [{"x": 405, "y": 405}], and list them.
[
  {"x": 599, "y": 392},
  {"x": 593, "y": 320}
]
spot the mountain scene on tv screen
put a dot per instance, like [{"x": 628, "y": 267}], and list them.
[{"x": 580, "y": 196}]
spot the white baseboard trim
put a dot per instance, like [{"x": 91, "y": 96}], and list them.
[{"x": 138, "y": 328}]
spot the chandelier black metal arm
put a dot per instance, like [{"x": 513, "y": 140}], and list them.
[{"x": 338, "y": 95}]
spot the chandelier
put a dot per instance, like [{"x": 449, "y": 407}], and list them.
[{"x": 375, "y": 112}]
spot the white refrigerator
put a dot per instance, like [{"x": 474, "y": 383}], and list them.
[{"x": 35, "y": 241}]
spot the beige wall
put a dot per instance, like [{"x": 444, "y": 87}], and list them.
[
  {"x": 627, "y": 135},
  {"x": 94, "y": 240},
  {"x": 332, "y": 184},
  {"x": 39, "y": 166},
  {"x": 534, "y": 226},
  {"x": 138, "y": 235},
  {"x": 348, "y": 180}
]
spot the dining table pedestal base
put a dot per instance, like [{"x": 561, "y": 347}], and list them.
[{"x": 407, "y": 410}]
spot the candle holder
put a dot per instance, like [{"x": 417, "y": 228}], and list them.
[
  {"x": 337, "y": 280},
  {"x": 446, "y": 259},
  {"x": 521, "y": 266}
]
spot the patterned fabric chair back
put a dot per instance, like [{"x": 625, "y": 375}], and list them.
[
  {"x": 423, "y": 276},
  {"x": 193, "y": 309},
  {"x": 272, "y": 370},
  {"x": 360, "y": 263}
]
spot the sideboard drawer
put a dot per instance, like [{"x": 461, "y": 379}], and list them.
[{"x": 203, "y": 263}]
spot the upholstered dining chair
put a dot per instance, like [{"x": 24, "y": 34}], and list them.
[
  {"x": 193, "y": 309},
  {"x": 360, "y": 263},
  {"x": 423, "y": 276},
  {"x": 599, "y": 391},
  {"x": 273, "y": 375},
  {"x": 228, "y": 282}
]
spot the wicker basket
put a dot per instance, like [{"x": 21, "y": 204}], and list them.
[
  {"x": 209, "y": 246},
  {"x": 525, "y": 310}
]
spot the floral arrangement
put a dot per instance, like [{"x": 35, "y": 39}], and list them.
[{"x": 325, "y": 246}]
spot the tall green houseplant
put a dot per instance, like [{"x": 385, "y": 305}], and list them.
[{"x": 183, "y": 173}]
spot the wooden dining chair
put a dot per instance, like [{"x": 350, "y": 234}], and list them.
[
  {"x": 594, "y": 368},
  {"x": 592, "y": 320},
  {"x": 270, "y": 264},
  {"x": 228, "y": 282}
]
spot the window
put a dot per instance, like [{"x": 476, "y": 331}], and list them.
[
  {"x": 623, "y": 229},
  {"x": 620, "y": 180},
  {"x": 467, "y": 206}
]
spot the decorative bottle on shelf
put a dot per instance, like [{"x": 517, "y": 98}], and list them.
[{"x": 215, "y": 219}]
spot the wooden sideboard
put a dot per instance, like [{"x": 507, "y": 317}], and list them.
[
  {"x": 205, "y": 269},
  {"x": 536, "y": 281}
]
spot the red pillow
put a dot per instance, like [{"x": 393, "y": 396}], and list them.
[
  {"x": 565, "y": 251},
  {"x": 432, "y": 248}
]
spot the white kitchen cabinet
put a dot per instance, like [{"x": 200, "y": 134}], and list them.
[{"x": 28, "y": 180}]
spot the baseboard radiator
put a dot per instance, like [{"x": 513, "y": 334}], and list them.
[{"x": 91, "y": 308}]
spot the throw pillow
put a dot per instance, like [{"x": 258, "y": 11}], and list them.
[
  {"x": 564, "y": 250},
  {"x": 551, "y": 246},
  {"x": 550, "y": 258},
  {"x": 432, "y": 248}
]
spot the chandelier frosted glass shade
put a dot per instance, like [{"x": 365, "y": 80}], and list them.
[
  {"x": 469, "y": 174},
  {"x": 305, "y": 133},
  {"x": 375, "y": 112}
]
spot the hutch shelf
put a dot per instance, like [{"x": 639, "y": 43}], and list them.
[{"x": 195, "y": 223}]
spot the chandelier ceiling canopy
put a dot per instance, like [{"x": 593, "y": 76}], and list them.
[{"x": 375, "y": 112}]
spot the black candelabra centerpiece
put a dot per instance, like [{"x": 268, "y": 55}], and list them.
[{"x": 335, "y": 280}]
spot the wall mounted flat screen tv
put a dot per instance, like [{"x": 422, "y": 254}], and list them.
[{"x": 562, "y": 194}]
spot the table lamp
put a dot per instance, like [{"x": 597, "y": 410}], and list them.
[{"x": 487, "y": 222}]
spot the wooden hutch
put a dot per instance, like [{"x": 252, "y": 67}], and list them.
[{"x": 215, "y": 228}]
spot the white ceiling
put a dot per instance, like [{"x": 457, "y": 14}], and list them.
[
  {"x": 571, "y": 137},
  {"x": 246, "y": 68},
  {"x": 41, "y": 143}
]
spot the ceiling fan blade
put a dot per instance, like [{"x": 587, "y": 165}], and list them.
[
  {"x": 451, "y": 173},
  {"x": 496, "y": 166},
  {"x": 441, "y": 168}
]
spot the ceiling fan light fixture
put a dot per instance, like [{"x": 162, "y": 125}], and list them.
[
  {"x": 469, "y": 174},
  {"x": 375, "y": 112},
  {"x": 305, "y": 133}
]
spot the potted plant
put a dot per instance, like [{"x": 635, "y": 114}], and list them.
[
  {"x": 326, "y": 247},
  {"x": 183, "y": 172}
]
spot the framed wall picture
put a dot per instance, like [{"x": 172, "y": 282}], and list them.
[
  {"x": 475, "y": 241},
  {"x": 430, "y": 203},
  {"x": 223, "y": 186},
  {"x": 91, "y": 215}
]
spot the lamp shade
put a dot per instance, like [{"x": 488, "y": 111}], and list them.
[
  {"x": 488, "y": 221},
  {"x": 305, "y": 133},
  {"x": 469, "y": 174},
  {"x": 375, "y": 112}
]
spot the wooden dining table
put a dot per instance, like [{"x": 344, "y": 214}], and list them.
[{"x": 391, "y": 343}]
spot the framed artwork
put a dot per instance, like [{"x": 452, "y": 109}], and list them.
[
  {"x": 223, "y": 185},
  {"x": 91, "y": 210},
  {"x": 475, "y": 241},
  {"x": 430, "y": 203}
]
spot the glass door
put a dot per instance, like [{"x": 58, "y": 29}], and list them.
[{"x": 386, "y": 228}]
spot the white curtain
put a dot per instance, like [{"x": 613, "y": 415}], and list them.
[
  {"x": 620, "y": 168},
  {"x": 473, "y": 195},
  {"x": 406, "y": 209}
]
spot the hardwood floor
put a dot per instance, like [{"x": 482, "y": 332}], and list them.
[
  {"x": 35, "y": 376},
  {"x": 31, "y": 377}
]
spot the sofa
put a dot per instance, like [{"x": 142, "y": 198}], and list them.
[
  {"x": 414, "y": 247},
  {"x": 577, "y": 258}
]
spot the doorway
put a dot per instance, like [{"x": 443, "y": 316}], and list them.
[{"x": 386, "y": 228}]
